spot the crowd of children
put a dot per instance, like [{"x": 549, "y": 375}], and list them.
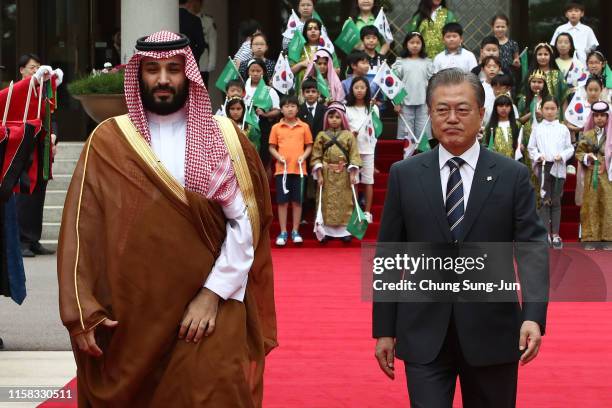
[{"x": 553, "y": 114}]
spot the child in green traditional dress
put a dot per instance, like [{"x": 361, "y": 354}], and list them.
[
  {"x": 335, "y": 162},
  {"x": 503, "y": 130}
]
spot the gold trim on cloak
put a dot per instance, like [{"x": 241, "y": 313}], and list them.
[
  {"x": 243, "y": 175},
  {"x": 142, "y": 148}
]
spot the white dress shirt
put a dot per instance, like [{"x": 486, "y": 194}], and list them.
[
  {"x": 550, "y": 139},
  {"x": 470, "y": 156},
  {"x": 229, "y": 275},
  {"x": 583, "y": 36},
  {"x": 462, "y": 59}
]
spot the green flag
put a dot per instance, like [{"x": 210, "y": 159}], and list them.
[
  {"x": 295, "y": 47},
  {"x": 533, "y": 109},
  {"x": 252, "y": 119},
  {"x": 399, "y": 98},
  {"x": 254, "y": 136},
  {"x": 317, "y": 17},
  {"x": 357, "y": 225},
  {"x": 229, "y": 73},
  {"x": 608, "y": 75},
  {"x": 349, "y": 36},
  {"x": 424, "y": 144},
  {"x": 322, "y": 86},
  {"x": 492, "y": 135},
  {"x": 377, "y": 124},
  {"x": 261, "y": 97},
  {"x": 524, "y": 58}
]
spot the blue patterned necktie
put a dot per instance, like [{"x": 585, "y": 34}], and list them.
[{"x": 455, "y": 210}]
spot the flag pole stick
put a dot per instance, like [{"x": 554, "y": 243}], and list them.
[
  {"x": 399, "y": 114},
  {"x": 236, "y": 69},
  {"x": 424, "y": 129}
]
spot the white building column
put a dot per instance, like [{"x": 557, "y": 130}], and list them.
[{"x": 143, "y": 17}]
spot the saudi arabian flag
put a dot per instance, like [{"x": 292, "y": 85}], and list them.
[
  {"x": 424, "y": 144},
  {"x": 349, "y": 36},
  {"x": 317, "y": 17},
  {"x": 390, "y": 84},
  {"x": 295, "y": 47},
  {"x": 229, "y": 73},
  {"x": 492, "y": 134},
  {"x": 608, "y": 75},
  {"x": 524, "y": 58},
  {"x": 252, "y": 119},
  {"x": 261, "y": 97},
  {"x": 377, "y": 124},
  {"x": 533, "y": 109},
  {"x": 322, "y": 86}
]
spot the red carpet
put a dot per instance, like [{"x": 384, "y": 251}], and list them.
[{"x": 326, "y": 355}]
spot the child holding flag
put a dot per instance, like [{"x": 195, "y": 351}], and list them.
[
  {"x": 290, "y": 145},
  {"x": 544, "y": 61},
  {"x": 415, "y": 70},
  {"x": 550, "y": 147},
  {"x": 573, "y": 70},
  {"x": 579, "y": 108},
  {"x": 262, "y": 104},
  {"x": 335, "y": 162},
  {"x": 594, "y": 156},
  {"x": 302, "y": 49},
  {"x": 365, "y": 17},
  {"x": 502, "y": 132},
  {"x": 362, "y": 115},
  {"x": 530, "y": 111},
  {"x": 235, "y": 110},
  {"x": 328, "y": 82}
]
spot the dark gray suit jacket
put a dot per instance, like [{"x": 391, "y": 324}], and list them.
[{"x": 501, "y": 208}]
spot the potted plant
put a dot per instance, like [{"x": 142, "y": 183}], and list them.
[{"x": 101, "y": 94}]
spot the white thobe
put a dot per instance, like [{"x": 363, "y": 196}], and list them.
[{"x": 229, "y": 275}]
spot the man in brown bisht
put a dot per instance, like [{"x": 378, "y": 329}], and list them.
[{"x": 164, "y": 264}]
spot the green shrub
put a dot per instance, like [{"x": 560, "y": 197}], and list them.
[{"x": 111, "y": 83}]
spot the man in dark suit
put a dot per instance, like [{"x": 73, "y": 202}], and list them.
[
  {"x": 191, "y": 26},
  {"x": 312, "y": 111},
  {"x": 462, "y": 192}
]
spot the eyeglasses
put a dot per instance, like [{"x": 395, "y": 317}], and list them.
[{"x": 444, "y": 113}]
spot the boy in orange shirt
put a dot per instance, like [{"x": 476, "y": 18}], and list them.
[{"x": 290, "y": 144}]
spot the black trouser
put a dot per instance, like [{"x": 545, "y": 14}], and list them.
[
  {"x": 30, "y": 213},
  {"x": 432, "y": 385}
]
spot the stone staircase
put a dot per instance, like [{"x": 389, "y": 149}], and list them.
[{"x": 67, "y": 156}]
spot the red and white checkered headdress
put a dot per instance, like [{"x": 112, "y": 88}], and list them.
[{"x": 208, "y": 168}]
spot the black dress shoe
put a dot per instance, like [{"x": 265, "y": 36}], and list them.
[
  {"x": 1, "y": 344},
  {"x": 27, "y": 253},
  {"x": 38, "y": 249},
  {"x": 347, "y": 239}
]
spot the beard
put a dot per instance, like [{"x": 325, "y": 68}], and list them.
[{"x": 165, "y": 105}]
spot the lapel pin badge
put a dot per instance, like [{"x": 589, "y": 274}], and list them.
[{"x": 489, "y": 178}]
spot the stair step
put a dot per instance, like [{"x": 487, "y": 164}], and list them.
[
  {"x": 53, "y": 213},
  {"x": 50, "y": 231},
  {"x": 55, "y": 198},
  {"x": 59, "y": 182},
  {"x": 64, "y": 166},
  {"x": 69, "y": 150}
]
